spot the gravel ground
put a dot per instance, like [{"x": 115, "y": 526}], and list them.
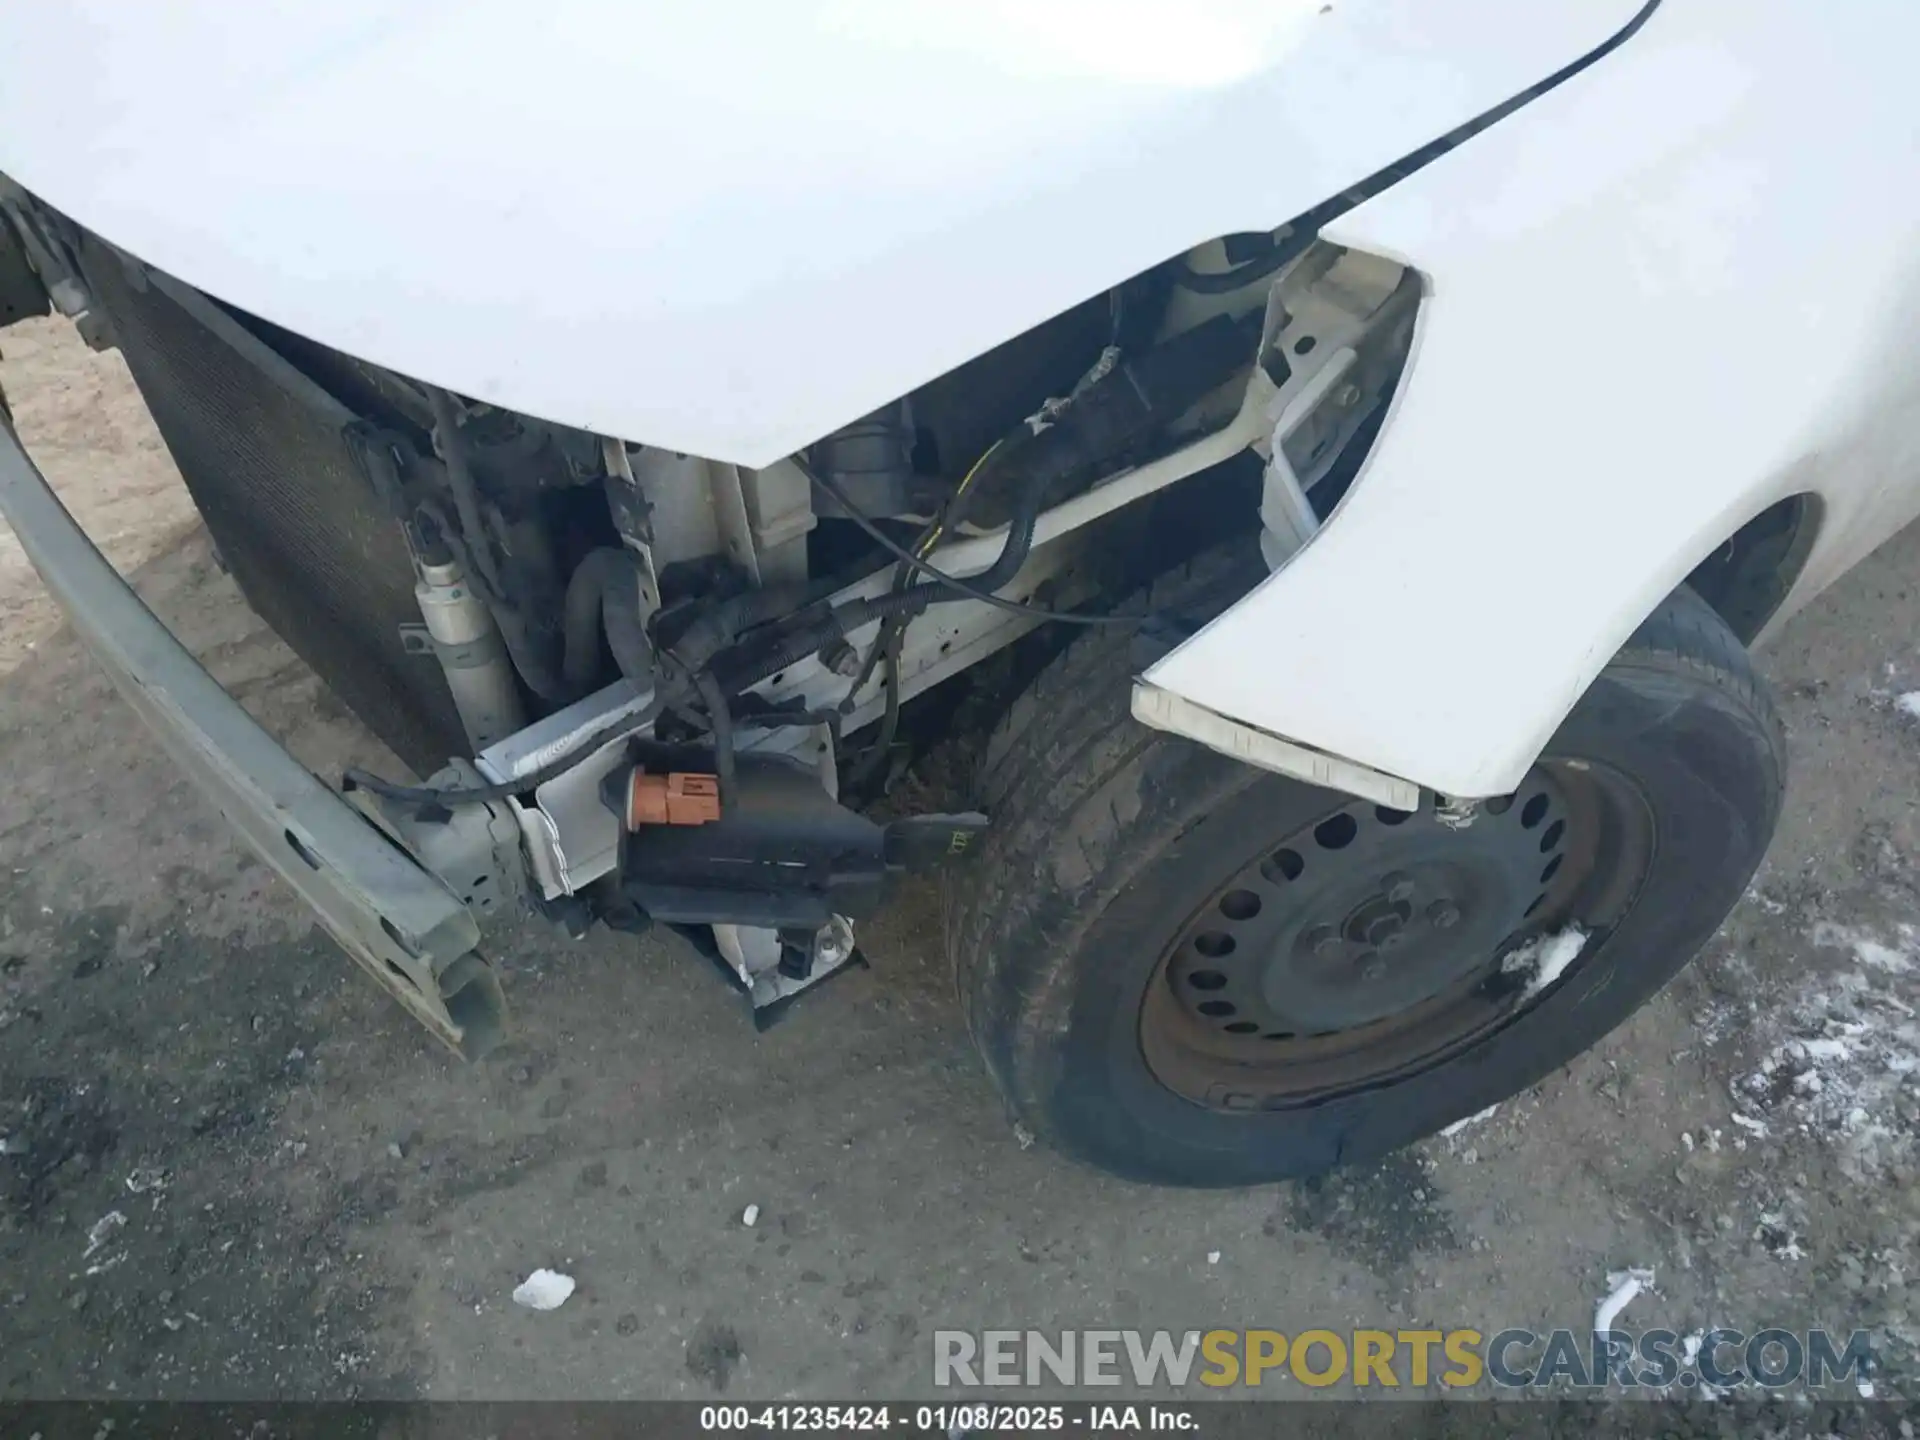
[{"x": 312, "y": 1199}]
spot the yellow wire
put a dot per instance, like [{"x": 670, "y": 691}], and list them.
[{"x": 940, "y": 524}]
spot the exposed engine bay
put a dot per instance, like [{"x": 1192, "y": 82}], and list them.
[{"x": 652, "y": 688}]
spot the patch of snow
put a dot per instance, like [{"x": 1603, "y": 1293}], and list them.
[
  {"x": 1474, "y": 1119},
  {"x": 1843, "y": 1066},
  {"x": 1867, "y": 950},
  {"x": 1547, "y": 958},
  {"x": 1690, "y": 1358},
  {"x": 1718, "y": 1019},
  {"x": 543, "y": 1290},
  {"x": 1908, "y": 704},
  {"x": 147, "y": 1178},
  {"x": 1626, "y": 1284},
  {"x": 1213, "y": 1257},
  {"x": 101, "y": 1231}
]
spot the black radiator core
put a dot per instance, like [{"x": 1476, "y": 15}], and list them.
[{"x": 313, "y": 549}]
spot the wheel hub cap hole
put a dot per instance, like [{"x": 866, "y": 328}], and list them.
[
  {"x": 1240, "y": 905},
  {"x": 1282, "y": 866},
  {"x": 1336, "y": 833}
]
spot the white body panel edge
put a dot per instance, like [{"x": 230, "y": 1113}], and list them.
[
  {"x": 1678, "y": 288},
  {"x": 722, "y": 230}
]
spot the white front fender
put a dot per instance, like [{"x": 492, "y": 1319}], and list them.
[{"x": 1678, "y": 288}]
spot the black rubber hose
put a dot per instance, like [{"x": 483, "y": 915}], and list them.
[
  {"x": 720, "y": 723},
  {"x": 840, "y": 621},
  {"x": 527, "y": 654},
  {"x": 873, "y": 765},
  {"x": 627, "y": 634},
  {"x": 596, "y": 576},
  {"x": 966, "y": 587},
  {"x": 716, "y": 627},
  {"x": 845, "y": 619},
  {"x": 1013, "y": 553},
  {"x": 812, "y": 638},
  {"x": 466, "y": 495}
]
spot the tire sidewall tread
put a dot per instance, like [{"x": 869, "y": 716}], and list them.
[{"x": 1087, "y": 803}]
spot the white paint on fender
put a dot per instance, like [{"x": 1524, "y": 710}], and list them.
[{"x": 1677, "y": 288}]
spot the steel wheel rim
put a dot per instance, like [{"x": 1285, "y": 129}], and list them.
[{"x": 1371, "y": 945}]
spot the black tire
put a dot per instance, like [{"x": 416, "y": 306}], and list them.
[{"x": 1107, "y": 836}]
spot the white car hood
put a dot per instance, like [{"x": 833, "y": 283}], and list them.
[{"x": 723, "y": 229}]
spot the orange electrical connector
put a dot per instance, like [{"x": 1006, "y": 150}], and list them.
[{"x": 675, "y": 799}]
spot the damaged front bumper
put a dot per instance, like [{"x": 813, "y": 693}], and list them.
[{"x": 399, "y": 922}]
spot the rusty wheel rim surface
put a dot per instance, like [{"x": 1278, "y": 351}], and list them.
[{"x": 1372, "y": 944}]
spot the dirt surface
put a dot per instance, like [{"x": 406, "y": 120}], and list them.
[{"x": 312, "y": 1199}]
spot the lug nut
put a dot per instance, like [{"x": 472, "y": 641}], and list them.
[
  {"x": 1398, "y": 885},
  {"x": 1443, "y": 913}
]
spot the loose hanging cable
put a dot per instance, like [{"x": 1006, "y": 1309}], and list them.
[
  {"x": 953, "y": 582},
  {"x": 354, "y": 778}
]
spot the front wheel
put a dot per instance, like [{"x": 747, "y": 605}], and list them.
[{"x": 1185, "y": 970}]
